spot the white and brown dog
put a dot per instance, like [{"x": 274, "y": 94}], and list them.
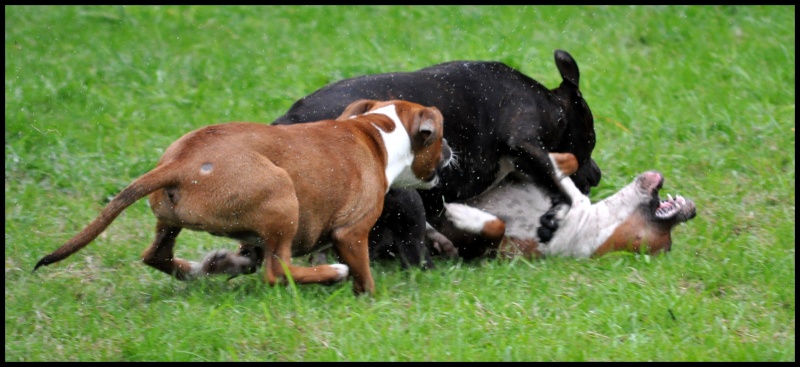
[
  {"x": 283, "y": 191},
  {"x": 503, "y": 221}
]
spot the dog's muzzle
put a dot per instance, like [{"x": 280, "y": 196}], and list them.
[
  {"x": 432, "y": 181},
  {"x": 447, "y": 155}
]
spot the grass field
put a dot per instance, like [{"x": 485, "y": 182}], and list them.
[{"x": 706, "y": 95}]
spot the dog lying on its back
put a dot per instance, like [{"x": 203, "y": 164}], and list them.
[
  {"x": 501, "y": 220},
  {"x": 253, "y": 183},
  {"x": 496, "y": 118}
]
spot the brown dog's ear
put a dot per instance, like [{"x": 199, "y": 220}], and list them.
[
  {"x": 429, "y": 121},
  {"x": 357, "y": 108}
]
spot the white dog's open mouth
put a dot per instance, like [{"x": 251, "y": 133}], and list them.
[{"x": 676, "y": 208}]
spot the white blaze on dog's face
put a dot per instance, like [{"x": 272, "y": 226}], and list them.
[{"x": 413, "y": 151}]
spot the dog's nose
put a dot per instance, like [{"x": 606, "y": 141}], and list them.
[{"x": 587, "y": 176}]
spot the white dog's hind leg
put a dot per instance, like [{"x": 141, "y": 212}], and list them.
[{"x": 467, "y": 218}]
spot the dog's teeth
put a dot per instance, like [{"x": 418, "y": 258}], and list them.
[{"x": 670, "y": 197}]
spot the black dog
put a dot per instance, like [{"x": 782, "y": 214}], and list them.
[
  {"x": 497, "y": 119},
  {"x": 401, "y": 233}
]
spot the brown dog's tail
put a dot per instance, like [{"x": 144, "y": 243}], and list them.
[{"x": 151, "y": 181}]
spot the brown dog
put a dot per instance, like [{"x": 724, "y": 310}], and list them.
[{"x": 284, "y": 191}]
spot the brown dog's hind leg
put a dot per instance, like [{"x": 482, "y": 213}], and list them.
[
  {"x": 160, "y": 254},
  {"x": 277, "y": 231},
  {"x": 278, "y": 254},
  {"x": 352, "y": 247}
]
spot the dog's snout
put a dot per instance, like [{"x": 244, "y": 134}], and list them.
[
  {"x": 434, "y": 180},
  {"x": 587, "y": 176}
]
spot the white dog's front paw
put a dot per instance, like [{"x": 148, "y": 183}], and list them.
[{"x": 467, "y": 218}]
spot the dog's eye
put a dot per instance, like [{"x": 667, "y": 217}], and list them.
[{"x": 245, "y": 252}]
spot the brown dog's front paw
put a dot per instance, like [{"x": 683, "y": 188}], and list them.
[{"x": 224, "y": 262}]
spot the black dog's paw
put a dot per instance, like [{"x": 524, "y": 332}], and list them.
[
  {"x": 545, "y": 234},
  {"x": 549, "y": 222},
  {"x": 549, "y": 226}
]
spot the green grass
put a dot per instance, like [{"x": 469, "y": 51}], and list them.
[{"x": 704, "y": 94}]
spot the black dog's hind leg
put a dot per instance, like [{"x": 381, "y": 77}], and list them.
[
  {"x": 401, "y": 230},
  {"x": 535, "y": 163}
]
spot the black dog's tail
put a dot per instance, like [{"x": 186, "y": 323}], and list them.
[{"x": 151, "y": 181}]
